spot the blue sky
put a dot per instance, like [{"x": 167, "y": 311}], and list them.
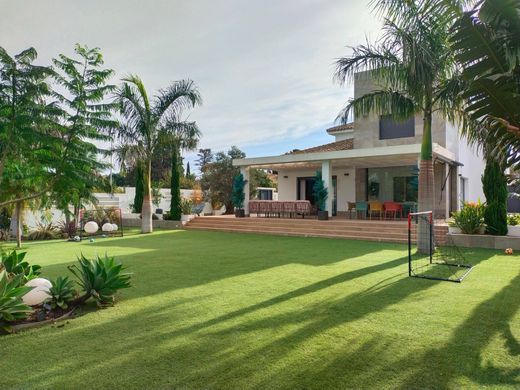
[{"x": 264, "y": 67}]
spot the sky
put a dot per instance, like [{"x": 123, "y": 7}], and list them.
[{"x": 264, "y": 67}]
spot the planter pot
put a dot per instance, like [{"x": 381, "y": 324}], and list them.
[
  {"x": 481, "y": 230},
  {"x": 323, "y": 215},
  {"x": 454, "y": 230},
  {"x": 513, "y": 231},
  {"x": 185, "y": 218},
  {"x": 240, "y": 213}
]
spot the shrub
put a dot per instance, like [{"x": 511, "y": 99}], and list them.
[
  {"x": 43, "y": 231},
  {"x": 186, "y": 205},
  {"x": 62, "y": 293},
  {"x": 494, "y": 184},
  {"x": 320, "y": 192},
  {"x": 70, "y": 228},
  {"x": 101, "y": 278},
  {"x": 237, "y": 195},
  {"x": 12, "y": 307},
  {"x": 470, "y": 218},
  {"x": 513, "y": 219},
  {"x": 13, "y": 263}
]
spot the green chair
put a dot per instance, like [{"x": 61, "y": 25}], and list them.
[{"x": 362, "y": 207}]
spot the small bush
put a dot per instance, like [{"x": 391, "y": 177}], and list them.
[
  {"x": 12, "y": 307},
  {"x": 186, "y": 205},
  {"x": 470, "y": 218},
  {"x": 70, "y": 228},
  {"x": 62, "y": 293},
  {"x": 44, "y": 231},
  {"x": 513, "y": 219},
  {"x": 101, "y": 278},
  {"x": 13, "y": 263}
]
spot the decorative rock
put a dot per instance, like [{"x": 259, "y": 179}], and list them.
[
  {"x": 114, "y": 227},
  {"x": 91, "y": 227},
  {"x": 39, "y": 293},
  {"x": 107, "y": 227}
]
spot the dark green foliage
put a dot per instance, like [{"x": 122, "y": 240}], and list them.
[
  {"x": 175, "y": 204},
  {"x": 494, "y": 184},
  {"x": 100, "y": 278},
  {"x": 14, "y": 264},
  {"x": 139, "y": 189},
  {"x": 217, "y": 178},
  {"x": 320, "y": 192},
  {"x": 205, "y": 157},
  {"x": 62, "y": 293},
  {"x": 238, "y": 195},
  {"x": 188, "y": 170},
  {"x": 12, "y": 307}
]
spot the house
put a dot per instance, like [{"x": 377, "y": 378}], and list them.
[{"x": 376, "y": 158}]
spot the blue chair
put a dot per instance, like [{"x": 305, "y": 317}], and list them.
[{"x": 362, "y": 207}]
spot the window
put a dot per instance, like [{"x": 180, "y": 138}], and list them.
[
  {"x": 389, "y": 128},
  {"x": 463, "y": 190},
  {"x": 406, "y": 188}
]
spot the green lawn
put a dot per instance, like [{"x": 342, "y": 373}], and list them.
[{"x": 224, "y": 310}]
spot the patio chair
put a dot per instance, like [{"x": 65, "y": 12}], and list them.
[
  {"x": 361, "y": 207},
  {"x": 393, "y": 208},
  {"x": 375, "y": 207},
  {"x": 409, "y": 207},
  {"x": 351, "y": 209}
]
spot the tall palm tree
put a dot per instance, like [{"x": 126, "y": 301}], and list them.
[
  {"x": 414, "y": 64},
  {"x": 145, "y": 121}
]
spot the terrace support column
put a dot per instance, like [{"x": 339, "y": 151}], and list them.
[
  {"x": 326, "y": 175},
  {"x": 245, "y": 172}
]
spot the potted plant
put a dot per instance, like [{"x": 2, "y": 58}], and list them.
[
  {"x": 238, "y": 196},
  {"x": 470, "y": 219},
  {"x": 320, "y": 196},
  {"x": 452, "y": 226},
  {"x": 513, "y": 225},
  {"x": 186, "y": 205}
]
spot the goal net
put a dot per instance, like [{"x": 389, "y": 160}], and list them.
[
  {"x": 432, "y": 257},
  {"x": 101, "y": 222}
]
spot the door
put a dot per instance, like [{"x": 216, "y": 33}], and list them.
[{"x": 305, "y": 191}]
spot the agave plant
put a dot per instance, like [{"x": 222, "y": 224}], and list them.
[
  {"x": 12, "y": 307},
  {"x": 44, "y": 231},
  {"x": 61, "y": 293},
  {"x": 13, "y": 263},
  {"x": 100, "y": 278}
]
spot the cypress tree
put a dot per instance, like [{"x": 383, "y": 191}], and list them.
[
  {"x": 139, "y": 189},
  {"x": 495, "y": 188},
  {"x": 175, "y": 204},
  {"x": 188, "y": 171}
]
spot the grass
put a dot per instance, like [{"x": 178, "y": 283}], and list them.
[{"x": 224, "y": 310}]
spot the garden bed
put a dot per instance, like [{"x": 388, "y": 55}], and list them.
[{"x": 485, "y": 241}]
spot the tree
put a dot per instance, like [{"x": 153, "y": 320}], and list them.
[
  {"x": 205, "y": 156},
  {"x": 259, "y": 178},
  {"x": 486, "y": 40},
  {"x": 413, "y": 62},
  {"x": 217, "y": 177},
  {"x": 85, "y": 116},
  {"x": 320, "y": 192},
  {"x": 188, "y": 172},
  {"x": 237, "y": 196},
  {"x": 139, "y": 190},
  {"x": 494, "y": 183},
  {"x": 145, "y": 122}
]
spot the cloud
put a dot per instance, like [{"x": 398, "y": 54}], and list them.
[{"x": 264, "y": 67}]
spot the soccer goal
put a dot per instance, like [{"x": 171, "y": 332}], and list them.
[
  {"x": 428, "y": 260},
  {"x": 101, "y": 222}
]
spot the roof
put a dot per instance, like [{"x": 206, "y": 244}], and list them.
[
  {"x": 341, "y": 128},
  {"x": 345, "y": 144}
]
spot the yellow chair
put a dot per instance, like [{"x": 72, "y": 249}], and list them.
[
  {"x": 351, "y": 209},
  {"x": 375, "y": 206}
]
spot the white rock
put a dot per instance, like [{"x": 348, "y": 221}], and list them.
[
  {"x": 39, "y": 293},
  {"x": 107, "y": 227},
  {"x": 91, "y": 227}
]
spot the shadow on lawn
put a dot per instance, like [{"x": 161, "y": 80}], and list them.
[{"x": 200, "y": 354}]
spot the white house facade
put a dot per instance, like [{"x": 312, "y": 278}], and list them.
[{"x": 377, "y": 159}]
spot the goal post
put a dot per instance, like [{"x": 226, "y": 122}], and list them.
[{"x": 430, "y": 257}]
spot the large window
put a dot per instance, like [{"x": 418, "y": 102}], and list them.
[
  {"x": 390, "y": 128},
  {"x": 397, "y": 184}
]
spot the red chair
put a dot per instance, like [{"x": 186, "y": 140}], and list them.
[{"x": 393, "y": 208}]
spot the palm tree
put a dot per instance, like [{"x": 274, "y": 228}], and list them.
[
  {"x": 145, "y": 121},
  {"x": 486, "y": 40},
  {"x": 414, "y": 64}
]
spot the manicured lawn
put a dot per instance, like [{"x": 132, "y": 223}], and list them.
[{"x": 223, "y": 310}]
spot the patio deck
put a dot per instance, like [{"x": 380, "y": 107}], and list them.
[{"x": 336, "y": 227}]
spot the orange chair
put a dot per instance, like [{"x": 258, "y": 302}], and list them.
[
  {"x": 375, "y": 206},
  {"x": 393, "y": 208}
]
